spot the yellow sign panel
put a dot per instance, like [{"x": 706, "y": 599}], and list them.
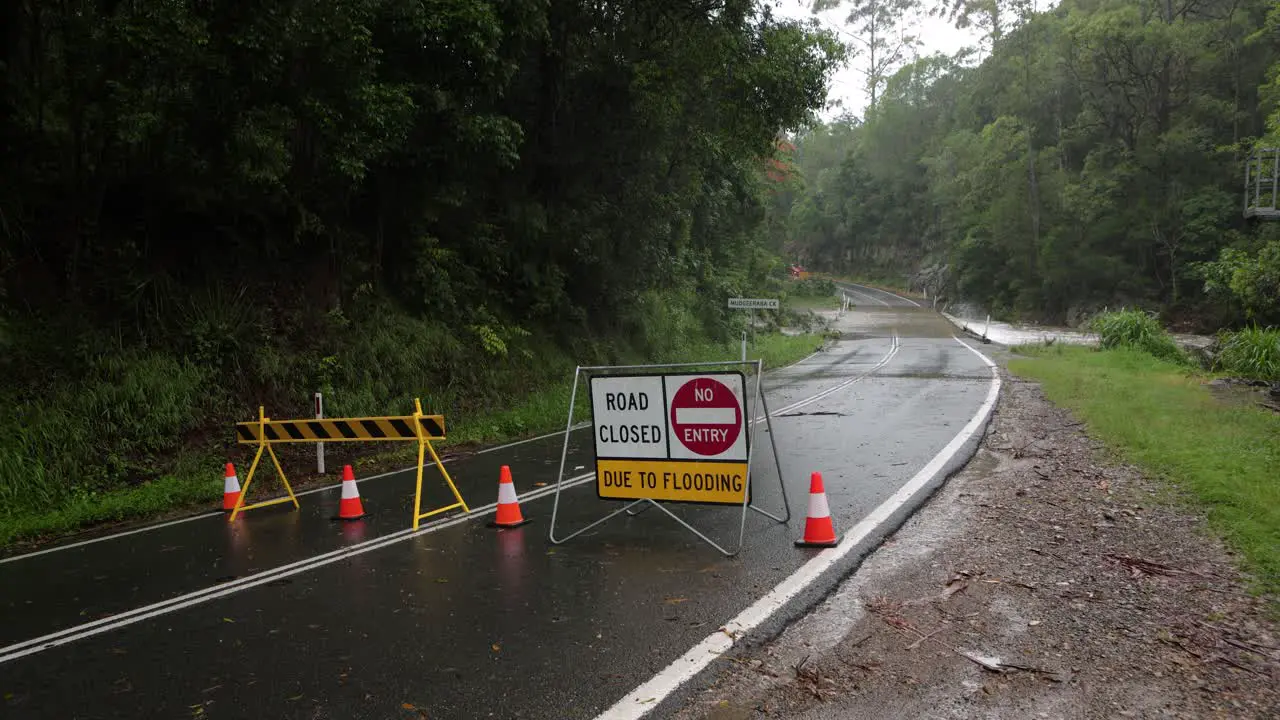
[{"x": 720, "y": 483}]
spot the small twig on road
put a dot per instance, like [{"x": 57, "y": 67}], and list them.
[
  {"x": 992, "y": 666},
  {"x": 1153, "y": 568},
  {"x": 858, "y": 643},
  {"x": 922, "y": 638},
  {"x": 1234, "y": 664},
  {"x": 799, "y": 667},
  {"x": 1229, "y": 631},
  {"x": 1046, "y": 553},
  {"x": 1248, "y": 648},
  {"x": 1181, "y": 647}
]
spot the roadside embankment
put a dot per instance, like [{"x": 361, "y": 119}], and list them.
[{"x": 1048, "y": 579}]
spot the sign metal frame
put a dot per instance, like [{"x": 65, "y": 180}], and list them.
[{"x": 751, "y": 413}]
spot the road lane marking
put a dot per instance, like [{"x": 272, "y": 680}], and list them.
[
  {"x": 213, "y": 592},
  {"x": 129, "y": 617},
  {"x": 894, "y": 347},
  {"x": 644, "y": 698},
  {"x": 216, "y": 513},
  {"x": 886, "y": 292},
  {"x": 869, "y": 296},
  {"x": 892, "y": 294}
]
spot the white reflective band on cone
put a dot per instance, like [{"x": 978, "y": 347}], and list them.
[
  {"x": 506, "y": 493},
  {"x": 818, "y": 506},
  {"x": 349, "y": 490}
]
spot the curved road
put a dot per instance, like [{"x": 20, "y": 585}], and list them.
[{"x": 287, "y": 614}]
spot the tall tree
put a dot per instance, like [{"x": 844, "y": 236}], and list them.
[{"x": 881, "y": 30}]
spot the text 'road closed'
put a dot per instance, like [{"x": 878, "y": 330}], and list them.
[{"x": 674, "y": 480}]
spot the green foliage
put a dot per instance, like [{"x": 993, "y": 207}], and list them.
[
  {"x": 811, "y": 287},
  {"x": 1248, "y": 280},
  {"x": 118, "y": 422},
  {"x": 209, "y": 207},
  {"x": 1138, "y": 330},
  {"x": 1091, "y": 158},
  {"x": 1251, "y": 352},
  {"x": 1149, "y": 411}
]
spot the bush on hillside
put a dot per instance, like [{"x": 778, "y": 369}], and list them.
[
  {"x": 811, "y": 287},
  {"x": 1135, "y": 329}
]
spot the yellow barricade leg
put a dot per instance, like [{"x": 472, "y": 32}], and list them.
[
  {"x": 287, "y": 487},
  {"x": 248, "y": 480},
  {"x": 263, "y": 444},
  {"x": 457, "y": 495},
  {"x": 418, "y": 515},
  {"x": 417, "y": 496}
]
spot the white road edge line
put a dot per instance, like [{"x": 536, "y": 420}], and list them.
[
  {"x": 644, "y": 698},
  {"x": 868, "y": 295},
  {"x": 887, "y": 292},
  {"x": 129, "y": 617},
  {"x": 215, "y": 513}
]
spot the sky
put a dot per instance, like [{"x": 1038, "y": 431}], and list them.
[{"x": 848, "y": 86}]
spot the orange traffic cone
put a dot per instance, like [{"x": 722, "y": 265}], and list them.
[
  {"x": 230, "y": 489},
  {"x": 508, "y": 515},
  {"x": 818, "y": 529},
  {"x": 349, "y": 508}
]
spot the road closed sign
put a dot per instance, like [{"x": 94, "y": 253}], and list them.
[{"x": 679, "y": 438}]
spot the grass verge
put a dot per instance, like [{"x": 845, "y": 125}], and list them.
[
  {"x": 195, "y": 481},
  {"x": 1155, "y": 414}
]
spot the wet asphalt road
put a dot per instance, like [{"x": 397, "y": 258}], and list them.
[{"x": 465, "y": 620}]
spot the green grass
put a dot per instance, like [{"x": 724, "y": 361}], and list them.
[
  {"x": 196, "y": 480},
  {"x": 1157, "y": 415},
  {"x": 1252, "y": 352},
  {"x": 546, "y": 409},
  {"x": 1135, "y": 329}
]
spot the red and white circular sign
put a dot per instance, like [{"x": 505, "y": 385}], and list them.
[{"x": 705, "y": 416}]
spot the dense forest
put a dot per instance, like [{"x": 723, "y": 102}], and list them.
[
  {"x": 208, "y": 206},
  {"x": 1087, "y": 155}
]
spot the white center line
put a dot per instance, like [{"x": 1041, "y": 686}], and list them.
[{"x": 123, "y": 619}]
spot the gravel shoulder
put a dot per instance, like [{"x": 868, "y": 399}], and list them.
[{"x": 1042, "y": 581}]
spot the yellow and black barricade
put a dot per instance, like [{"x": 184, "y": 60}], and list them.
[{"x": 266, "y": 432}]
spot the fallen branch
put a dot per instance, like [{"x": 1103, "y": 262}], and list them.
[
  {"x": 1248, "y": 648},
  {"x": 1182, "y": 647},
  {"x": 1147, "y": 566},
  {"x": 1234, "y": 664},
  {"x": 985, "y": 664}
]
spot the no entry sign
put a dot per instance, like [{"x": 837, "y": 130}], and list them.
[
  {"x": 706, "y": 418},
  {"x": 679, "y": 438}
]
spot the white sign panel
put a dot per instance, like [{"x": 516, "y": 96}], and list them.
[
  {"x": 753, "y": 303},
  {"x": 630, "y": 416}
]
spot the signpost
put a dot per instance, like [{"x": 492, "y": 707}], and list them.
[
  {"x": 319, "y": 445},
  {"x": 677, "y": 437},
  {"x": 751, "y": 304}
]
